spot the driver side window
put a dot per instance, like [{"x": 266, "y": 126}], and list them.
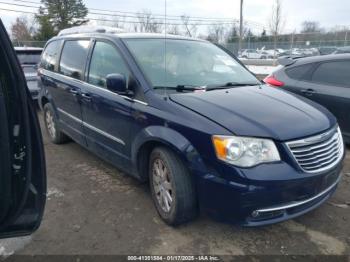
[{"x": 105, "y": 60}]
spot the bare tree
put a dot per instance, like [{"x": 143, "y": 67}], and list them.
[
  {"x": 232, "y": 34},
  {"x": 147, "y": 23},
  {"x": 311, "y": 27},
  {"x": 276, "y": 22},
  {"x": 174, "y": 30},
  {"x": 22, "y": 29},
  {"x": 118, "y": 21},
  {"x": 190, "y": 28},
  {"x": 216, "y": 33}
]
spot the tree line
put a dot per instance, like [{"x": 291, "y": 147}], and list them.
[{"x": 55, "y": 15}]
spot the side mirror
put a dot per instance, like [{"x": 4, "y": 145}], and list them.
[{"x": 117, "y": 84}]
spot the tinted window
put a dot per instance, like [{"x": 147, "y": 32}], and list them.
[
  {"x": 105, "y": 60},
  {"x": 73, "y": 58},
  {"x": 299, "y": 72},
  {"x": 29, "y": 57},
  {"x": 336, "y": 73},
  {"x": 49, "y": 57}
]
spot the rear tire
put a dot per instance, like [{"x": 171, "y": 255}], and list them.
[
  {"x": 172, "y": 187},
  {"x": 56, "y": 136}
]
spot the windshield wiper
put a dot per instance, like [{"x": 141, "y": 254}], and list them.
[
  {"x": 181, "y": 88},
  {"x": 229, "y": 85}
]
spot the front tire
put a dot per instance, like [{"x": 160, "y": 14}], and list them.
[
  {"x": 56, "y": 136},
  {"x": 172, "y": 187}
]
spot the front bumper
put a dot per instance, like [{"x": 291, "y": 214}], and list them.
[
  {"x": 290, "y": 210},
  {"x": 282, "y": 193}
]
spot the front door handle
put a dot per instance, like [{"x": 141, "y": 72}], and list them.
[
  {"x": 308, "y": 92},
  {"x": 86, "y": 96}
]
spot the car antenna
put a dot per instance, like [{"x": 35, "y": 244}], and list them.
[{"x": 165, "y": 49}]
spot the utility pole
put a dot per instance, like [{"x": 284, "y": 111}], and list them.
[
  {"x": 241, "y": 27},
  {"x": 346, "y": 37}
]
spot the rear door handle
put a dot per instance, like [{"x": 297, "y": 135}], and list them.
[
  {"x": 74, "y": 91},
  {"x": 86, "y": 96},
  {"x": 308, "y": 92}
]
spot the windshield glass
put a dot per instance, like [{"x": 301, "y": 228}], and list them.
[{"x": 188, "y": 63}]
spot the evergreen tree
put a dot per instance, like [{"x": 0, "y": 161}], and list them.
[
  {"x": 263, "y": 36},
  {"x": 45, "y": 30},
  {"x": 56, "y": 15}
]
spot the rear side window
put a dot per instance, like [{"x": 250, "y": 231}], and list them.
[
  {"x": 73, "y": 58},
  {"x": 334, "y": 73},
  {"x": 105, "y": 60},
  {"x": 50, "y": 54},
  {"x": 300, "y": 72}
]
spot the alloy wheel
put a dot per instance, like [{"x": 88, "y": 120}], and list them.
[
  {"x": 50, "y": 124},
  {"x": 162, "y": 185}
]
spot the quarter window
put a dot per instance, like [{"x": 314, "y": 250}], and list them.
[
  {"x": 334, "y": 73},
  {"x": 300, "y": 72},
  {"x": 73, "y": 58},
  {"x": 105, "y": 60},
  {"x": 49, "y": 57}
]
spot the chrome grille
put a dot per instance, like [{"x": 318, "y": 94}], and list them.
[{"x": 318, "y": 153}]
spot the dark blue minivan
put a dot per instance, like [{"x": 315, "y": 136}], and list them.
[{"x": 188, "y": 117}]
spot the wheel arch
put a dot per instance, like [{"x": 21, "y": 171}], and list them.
[
  {"x": 43, "y": 101},
  {"x": 155, "y": 136}
]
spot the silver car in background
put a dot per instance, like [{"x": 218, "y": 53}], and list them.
[{"x": 29, "y": 57}]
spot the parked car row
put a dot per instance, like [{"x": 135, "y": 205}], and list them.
[
  {"x": 256, "y": 54},
  {"x": 294, "y": 52}
]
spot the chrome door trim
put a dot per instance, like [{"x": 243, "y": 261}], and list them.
[
  {"x": 69, "y": 115},
  {"x": 116, "y": 139}
]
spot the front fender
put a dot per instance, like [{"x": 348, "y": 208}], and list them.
[{"x": 172, "y": 139}]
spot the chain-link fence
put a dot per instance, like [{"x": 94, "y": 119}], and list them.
[
  {"x": 28, "y": 43},
  {"x": 293, "y": 44}
]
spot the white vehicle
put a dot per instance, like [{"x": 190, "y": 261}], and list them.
[
  {"x": 251, "y": 54},
  {"x": 257, "y": 54}
]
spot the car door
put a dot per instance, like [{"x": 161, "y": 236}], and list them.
[
  {"x": 106, "y": 114},
  {"x": 250, "y": 54},
  {"x": 64, "y": 86},
  {"x": 255, "y": 55},
  {"x": 22, "y": 162},
  {"x": 330, "y": 86}
]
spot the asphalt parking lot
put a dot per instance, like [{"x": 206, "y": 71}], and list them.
[{"x": 93, "y": 208}]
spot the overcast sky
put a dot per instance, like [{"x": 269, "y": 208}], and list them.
[{"x": 329, "y": 13}]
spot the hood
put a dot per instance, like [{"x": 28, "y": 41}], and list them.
[{"x": 259, "y": 111}]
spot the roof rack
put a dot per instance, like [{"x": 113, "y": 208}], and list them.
[{"x": 90, "y": 29}]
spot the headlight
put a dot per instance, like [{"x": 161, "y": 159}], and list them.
[{"x": 245, "y": 151}]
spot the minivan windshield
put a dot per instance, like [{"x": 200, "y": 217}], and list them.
[{"x": 173, "y": 63}]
